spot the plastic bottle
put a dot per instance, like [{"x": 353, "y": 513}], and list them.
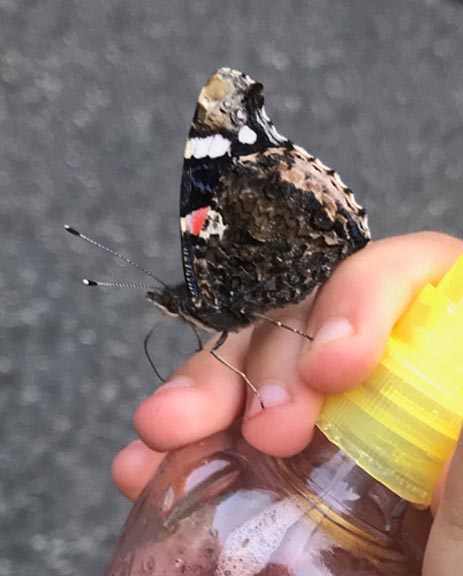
[{"x": 342, "y": 506}]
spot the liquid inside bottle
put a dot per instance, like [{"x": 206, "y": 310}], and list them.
[{"x": 221, "y": 508}]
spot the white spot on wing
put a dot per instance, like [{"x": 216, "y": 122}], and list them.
[
  {"x": 219, "y": 147},
  {"x": 201, "y": 146},
  {"x": 214, "y": 225},
  {"x": 213, "y": 146},
  {"x": 246, "y": 135}
]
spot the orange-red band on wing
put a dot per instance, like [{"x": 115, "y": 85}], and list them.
[{"x": 197, "y": 219}]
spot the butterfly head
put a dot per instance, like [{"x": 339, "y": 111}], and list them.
[{"x": 230, "y": 118}]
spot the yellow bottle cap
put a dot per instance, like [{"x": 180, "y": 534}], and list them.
[{"x": 402, "y": 423}]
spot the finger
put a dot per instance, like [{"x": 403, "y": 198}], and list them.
[
  {"x": 133, "y": 467},
  {"x": 201, "y": 398},
  {"x": 286, "y": 423},
  {"x": 439, "y": 488},
  {"x": 444, "y": 552},
  {"x": 356, "y": 309}
]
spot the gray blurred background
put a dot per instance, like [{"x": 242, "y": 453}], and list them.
[{"x": 96, "y": 97}]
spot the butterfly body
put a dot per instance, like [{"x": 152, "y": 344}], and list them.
[{"x": 262, "y": 221}]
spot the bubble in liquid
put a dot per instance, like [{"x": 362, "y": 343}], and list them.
[{"x": 248, "y": 548}]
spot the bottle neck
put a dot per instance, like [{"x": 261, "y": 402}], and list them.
[{"x": 350, "y": 503}]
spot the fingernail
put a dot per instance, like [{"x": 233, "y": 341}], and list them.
[
  {"x": 333, "y": 329},
  {"x": 177, "y": 382},
  {"x": 272, "y": 394}
]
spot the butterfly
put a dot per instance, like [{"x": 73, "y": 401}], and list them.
[{"x": 262, "y": 221}]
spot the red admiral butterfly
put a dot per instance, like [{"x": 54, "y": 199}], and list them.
[{"x": 262, "y": 221}]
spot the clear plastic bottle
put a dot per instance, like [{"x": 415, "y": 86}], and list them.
[
  {"x": 220, "y": 507},
  {"x": 342, "y": 506}
]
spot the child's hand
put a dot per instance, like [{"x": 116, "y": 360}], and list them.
[{"x": 350, "y": 317}]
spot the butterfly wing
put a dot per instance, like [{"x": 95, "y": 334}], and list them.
[
  {"x": 262, "y": 221},
  {"x": 275, "y": 225}
]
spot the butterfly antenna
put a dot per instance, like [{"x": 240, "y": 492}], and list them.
[
  {"x": 88, "y": 282},
  {"x": 75, "y": 232}
]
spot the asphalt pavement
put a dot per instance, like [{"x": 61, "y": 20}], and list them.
[{"x": 96, "y": 98}]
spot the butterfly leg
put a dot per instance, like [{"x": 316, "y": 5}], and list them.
[
  {"x": 198, "y": 338},
  {"x": 222, "y": 360},
  {"x": 145, "y": 347},
  {"x": 281, "y": 325}
]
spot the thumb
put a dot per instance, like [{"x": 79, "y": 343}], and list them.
[
  {"x": 357, "y": 308},
  {"x": 444, "y": 552}
]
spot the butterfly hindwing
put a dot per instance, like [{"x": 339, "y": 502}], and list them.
[{"x": 275, "y": 228}]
